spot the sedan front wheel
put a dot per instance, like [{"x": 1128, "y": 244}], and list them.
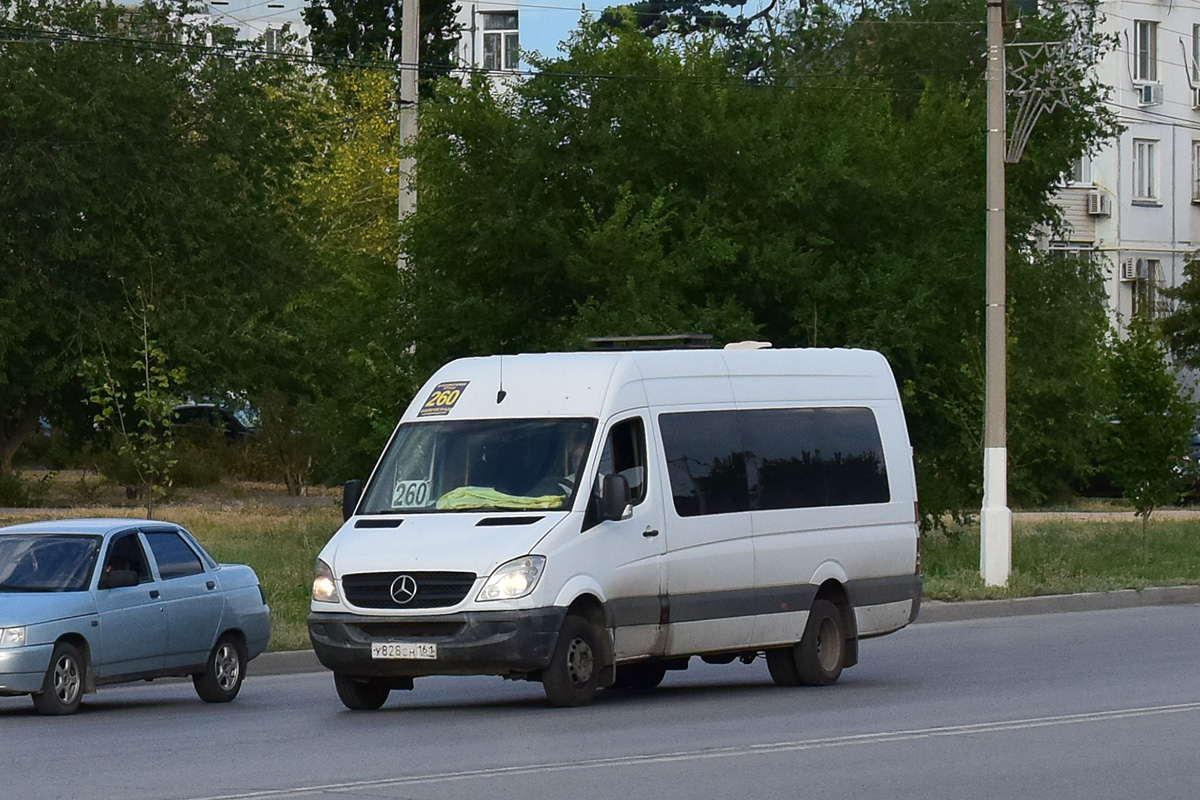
[{"x": 62, "y": 688}]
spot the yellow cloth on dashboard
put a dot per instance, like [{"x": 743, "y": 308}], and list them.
[{"x": 482, "y": 497}]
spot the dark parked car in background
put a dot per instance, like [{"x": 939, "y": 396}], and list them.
[
  {"x": 89, "y": 602},
  {"x": 199, "y": 418}
]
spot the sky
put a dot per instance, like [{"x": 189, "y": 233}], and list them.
[{"x": 545, "y": 23}]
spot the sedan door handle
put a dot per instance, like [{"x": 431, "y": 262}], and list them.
[
  {"x": 650, "y": 533},
  {"x": 211, "y": 584},
  {"x": 154, "y": 594}
]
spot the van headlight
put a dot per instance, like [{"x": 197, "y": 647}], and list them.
[
  {"x": 515, "y": 579},
  {"x": 324, "y": 586},
  {"x": 12, "y": 637}
]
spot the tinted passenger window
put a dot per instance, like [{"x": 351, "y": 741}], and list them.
[
  {"x": 722, "y": 461},
  {"x": 705, "y": 462},
  {"x": 175, "y": 559},
  {"x": 805, "y": 457}
]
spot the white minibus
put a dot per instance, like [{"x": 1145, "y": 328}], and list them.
[{"x": 593, "y": 519}]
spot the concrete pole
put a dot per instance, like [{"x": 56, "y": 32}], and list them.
[
  {"x": 995, "y": 520},
  {"x": 410, "y": 38}
]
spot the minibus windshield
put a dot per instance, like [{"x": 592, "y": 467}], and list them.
[{"x": 472, "y": 465}]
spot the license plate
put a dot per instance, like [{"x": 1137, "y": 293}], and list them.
[{"x": 403, "y": 650}]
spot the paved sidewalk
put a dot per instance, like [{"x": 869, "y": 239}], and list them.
[{"x": 289, "y": 662}]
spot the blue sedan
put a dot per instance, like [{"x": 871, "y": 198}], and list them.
[{"x": 89, "y": 602}]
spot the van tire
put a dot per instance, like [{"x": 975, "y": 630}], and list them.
[
  {"x": 641, "y": 677},
  {"x": 358, "y": 694},
  {"x": 571, "y": 677},
  {"x": 820, "y": 655}
]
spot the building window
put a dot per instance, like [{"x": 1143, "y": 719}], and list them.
[
  {"x": 1196, "y": 172},
  {"x": 1145, "y": 170},
  {"x": 1145, "y": 50},
  {"x": 273, "y": 40},
  {"x": 1080, "y": 172},
  {"x": 1147, "y": 300},
  {"x": 501, "y": 40},
  {"x": 1195, "y": 53}
]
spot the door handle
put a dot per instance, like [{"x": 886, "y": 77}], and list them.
[
  {"x": 154, "y": 594},
  {"x": 650, "y": 533},
  {"x": 211, "y": 584}
]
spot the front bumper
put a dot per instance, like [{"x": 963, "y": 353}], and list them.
[
  {"x": 22, "y": 669},
  {"x": 506, "y": 643}
]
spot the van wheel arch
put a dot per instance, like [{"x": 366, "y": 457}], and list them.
[
  {"x": 590, "y": 608},
  {"x": 835, "y": 593}
]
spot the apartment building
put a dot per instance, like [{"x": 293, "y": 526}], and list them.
[{"x": 1135, "y": 205}]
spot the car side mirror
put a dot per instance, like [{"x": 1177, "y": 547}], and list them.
[
  {"x": 118, "y": 578},
  {"x": 351, "y": 494},
  {"x": 615, "y": 501}
]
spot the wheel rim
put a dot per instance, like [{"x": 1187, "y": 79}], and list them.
[
  {"x": 66, "y": 680},
  {"x": 227, "y": 666},
  {"x": 829, "y": 645},
  {"x": 580, "y": 662}
]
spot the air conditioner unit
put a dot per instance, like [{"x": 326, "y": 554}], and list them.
[
  {"x": 1099, "y": 204},
  {"x": 1129, "y": 270},
  {"x": 1150, "y": 94}
]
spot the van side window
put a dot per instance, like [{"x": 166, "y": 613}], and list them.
[
  {"x": 723, "y": 461},
  {"x": 625, "y": 454},
  {"x": 705, "y": 462},
  {"x": 806, "y": 457}
]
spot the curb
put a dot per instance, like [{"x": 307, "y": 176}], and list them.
[
  {"x": 937, "y": 611},
  {"x": 293, "y": 662}
]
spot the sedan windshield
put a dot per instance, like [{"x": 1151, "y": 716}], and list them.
[
  {"x": 47, "y": 562},
  {"x": 510, "y": 464}
]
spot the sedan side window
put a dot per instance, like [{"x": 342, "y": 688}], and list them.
[
  {"x": 125, "y": 554},
  {"x": 175, "y": 559}
]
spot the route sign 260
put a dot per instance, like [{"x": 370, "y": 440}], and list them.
[{"x": 442, "y": 399}]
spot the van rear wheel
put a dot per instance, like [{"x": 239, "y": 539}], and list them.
[
  {"x": 571, "y": 677},
  {"x": 818, "y": 658},
  {"x": 358, "y": 694}
]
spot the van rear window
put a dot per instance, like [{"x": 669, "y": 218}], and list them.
[{"x": 723, "y": 461}]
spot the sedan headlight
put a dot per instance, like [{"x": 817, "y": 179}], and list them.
[
  {"x": 324, "y": 586},
  {"x": 515, "y": 579},
  {"x": 12, "y": 637}
]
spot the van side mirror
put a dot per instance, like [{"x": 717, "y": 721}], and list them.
[
  {"x": 615, "y": 502},
  {"x": 351, "y": 494}
]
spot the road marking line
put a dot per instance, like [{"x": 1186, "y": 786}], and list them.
[{"x": 726, "y": 752}]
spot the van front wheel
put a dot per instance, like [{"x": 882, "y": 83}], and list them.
[
  {"x": 571, "y": 677},
  {"x": 359, "y": 694},
  {"x": 818, "y": 659}
]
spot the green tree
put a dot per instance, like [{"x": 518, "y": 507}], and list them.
[
  {"x": 141, "y": 426},
  {"x": 1150, "y": 435},
  {"x": 366, "y": 30},
  {"x": 130, "y": 160}
]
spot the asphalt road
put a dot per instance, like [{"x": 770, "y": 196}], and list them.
[{"x": 1092, "y": 704}]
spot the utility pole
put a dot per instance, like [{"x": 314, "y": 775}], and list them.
[
  {"x": 995, "y": 519},
  {"x": 410, "y": 38}
]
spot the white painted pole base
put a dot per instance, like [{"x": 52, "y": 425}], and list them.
[{"x": 995, "y": 519}]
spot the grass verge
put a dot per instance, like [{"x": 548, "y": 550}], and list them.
[{"x": 1062, "y": 557}]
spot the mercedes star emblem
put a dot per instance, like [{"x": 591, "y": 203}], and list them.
[{"x": 404, "y": 589}]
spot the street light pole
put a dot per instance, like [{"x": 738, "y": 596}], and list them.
[
  {"x": 410, "y": 39},
  {"x": 995, "y": 520}
]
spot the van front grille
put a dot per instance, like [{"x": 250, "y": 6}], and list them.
[{"x": 405, "y": 590}]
